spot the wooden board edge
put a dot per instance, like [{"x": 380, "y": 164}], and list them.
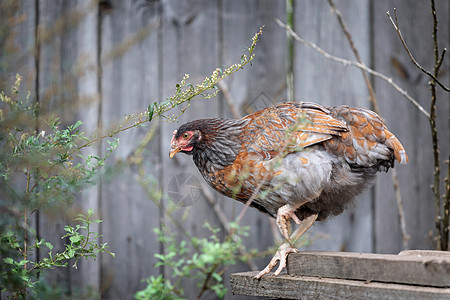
[{"x": 304, "y": 287}]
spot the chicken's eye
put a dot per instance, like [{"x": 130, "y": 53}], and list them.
[{"x": 185, "y": 135}]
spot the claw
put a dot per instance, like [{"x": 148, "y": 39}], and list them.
[
  {"x": 284, "y": 214},
  {"x": 286, "y": 248},
  {"x": 280, "y": 256}
]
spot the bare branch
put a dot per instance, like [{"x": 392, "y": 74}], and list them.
[
  {"x": 362, "y": 66},
  {"x": 414, "y": 61},
  {"x": 441, "y": 59}
]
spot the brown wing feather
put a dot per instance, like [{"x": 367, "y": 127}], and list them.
[
  {"x": 268, "y": 129},
  {"x": 367, "y": 140},
  {"x": 357, "y": 134}
]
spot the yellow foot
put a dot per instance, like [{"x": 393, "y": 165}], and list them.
[
  {"x": 280, "y": 256},
  {"x": 284, "y": 215}
]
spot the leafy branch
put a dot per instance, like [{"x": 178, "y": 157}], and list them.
[
  {"x": 185, "y": 92},
  {"x": 204, "y": 265},
  {"x": 51, "y": 177},
  {"x": 82, "y": 244}
]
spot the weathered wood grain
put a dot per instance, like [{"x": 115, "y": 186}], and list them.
[
  {"x": 305, "y": 288},
  {"x": 405, "y": 269}
]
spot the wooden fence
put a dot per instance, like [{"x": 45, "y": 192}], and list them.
[{"x": 97, "y": 61}]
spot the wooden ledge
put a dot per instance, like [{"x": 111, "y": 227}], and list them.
[{"x": 343, "y": 275}]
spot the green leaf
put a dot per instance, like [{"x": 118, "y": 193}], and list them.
[
  {"x": 75, "y": 239},
  {"x": 216, "y": 277},
  {"x": 77, "y": 124},
  {"x": 8, "y": 260},
  {"x": 23, "y": 262},
  {"x": 150, "y": 110}
]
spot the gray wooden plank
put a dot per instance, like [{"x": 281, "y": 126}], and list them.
[
  {"x": 259, "y": 85},
  {"x": 68, "y": 88},
  {"x": 129, "y": 62},
  {"x": 17, "y": 48},
  {"x": 88, "y": 272},
  {"x": 304, "y": 287},
  {"x": 410, "y": 126},
  {"x": 58, "y": 95},
  {"x": 320, "y": 80},
  {"x": 404, "y": 269},
  {"x": 17, "y": 39},
  {"x": 189, "y": 45}
]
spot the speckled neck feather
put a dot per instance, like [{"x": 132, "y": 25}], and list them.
[{"x": 219, "y": 143}]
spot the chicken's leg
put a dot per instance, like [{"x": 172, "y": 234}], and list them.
[{"x": 287, "y": 247}]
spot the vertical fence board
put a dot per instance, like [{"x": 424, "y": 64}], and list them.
[
  {"x": 129, "y": 63},
  {"x": 189, "y": 45},
  {"x": 58, "y": 95},
  {"x": 88, "y": 272},
  {"x": 409, "y": 125},
  {"x": 321, "y": 80},
  {"x": 17, "y": 42},
  {"x": 259, "y": 85}
]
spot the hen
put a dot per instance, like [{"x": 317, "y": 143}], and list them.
[{"x": 297, "y": 161}]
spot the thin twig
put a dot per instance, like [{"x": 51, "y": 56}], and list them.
[
  {"x": 414, "y": 61},
  {"x": 401, "y": 211},
  {"x": 362, "y": 66},
  {"x": 226, "y": 93},
  {"x": 376, "y": 108}
]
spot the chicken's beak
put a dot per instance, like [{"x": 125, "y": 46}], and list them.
[
  {"x": 174, "y": 151},
  {"x": 173, "y": 148}
]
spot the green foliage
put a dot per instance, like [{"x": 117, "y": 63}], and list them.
[
  {"x": 203, "y": 262},
  {"x": 82, "y": 244},
  {"x": 158, "y": 288},
  {"x": 42, "y": 170}
]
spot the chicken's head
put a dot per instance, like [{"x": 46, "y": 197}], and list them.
[{"x": 183, "y": 141}]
